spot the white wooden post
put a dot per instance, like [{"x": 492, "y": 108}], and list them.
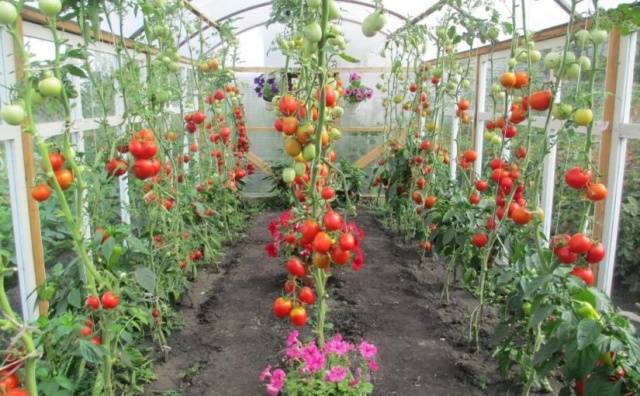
[
  {"x": 617, "y": 156},
  {"x": 480, "y": 108},
  {"x": 123, "y": 181},
  {"x": 453, "y": 155},
  {"x": 548, "y": 185}
]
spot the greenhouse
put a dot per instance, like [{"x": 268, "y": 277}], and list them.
[{"x": 319, "y": 197}]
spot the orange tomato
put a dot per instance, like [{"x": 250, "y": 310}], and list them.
[
  {"x": 597, "y": 192},
  {"x": 508, "y": 79},
  {"x": 522, "y": 79},
  {"x": 64, "y": 177}
]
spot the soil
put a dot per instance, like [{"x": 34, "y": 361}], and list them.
[{"x": 394, "y": 301}]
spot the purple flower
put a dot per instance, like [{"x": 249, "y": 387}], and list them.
[
  {"x": 336, "y": 374},
  {"x": 292, "y": 338},
  {"x": 367, "y": 350},
  {"x": 359, "y": 97},
  {"x": 348, "y": 92}
]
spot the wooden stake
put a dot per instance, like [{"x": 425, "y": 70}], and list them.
[
  {"x": 611, "y": 77},
  {"x": 34, "y": 209}
]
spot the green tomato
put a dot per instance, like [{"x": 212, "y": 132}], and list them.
[
  {"x": 315, "y": 4},
  {"x": 493, "y": 33},
  {"x": 496, "y": 88},
  {"x": 561, "y": 111},
  {"x": 173, "y": 67},
  {"x": 299, "y": 168},
  {"x": 50, "y": 86},
  {"x": 465, "y": 83},
  {"x": 497, "y": 140},
  {"x": 501, "y": 95},
  {"x": 585, "y": 63},
  {"x": 379, "y": 20},
  {"x": 313, "y": 32},
  {"x": 512, "y": 62},
  {"x": 599, "y": 36},
  {"x": 8, "y": 13},
  {"x": 570, "y": 57},
  {"x": 334, "y": 10},
  {"x": 337, "y": 112},
  {"x": 582, "y": 37},
  {"x": 368, "y": 26},
  {"x": 535, "y": 56},
  {"x": 523, "y": 55},
  {"x": 309, "y": 152},
  {"x": 288, "y": 174},
  {"x": 335, "y": 134},
  {"x": 552, "y": 60},
  {"x": 488, "y": 136},
  {"x": 13, "y": 114},
  {"x": 50, "y": 8},
  {"x": 36, "y": 98},
  {"x": 572, "y": 72},
  {"x": 526, "y": 308}
]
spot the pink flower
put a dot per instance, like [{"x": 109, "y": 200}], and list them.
[
  {"x": 358, "y": 259},
  {"x": 292, "y": 338},
  {"x": 271, "y": 249},
  {"x": 336, "y": 374},
  {"x": 277, "y": 382},
  {"x": 313, "y": 358},
  {"x": 373, "y": 365},
  {"x": 284, "y": 218},
  {"x": 273, "y": 228},
  {"x": 337, "y": 346},
  {"x": 367, "y": 350},
  {"x": 266, "y": 373}
]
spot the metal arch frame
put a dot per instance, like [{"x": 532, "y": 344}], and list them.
[
  {"x": 257, "y": 25},
  {"x": 194, "y": 10},
  {"x": 268, "y": 3}
]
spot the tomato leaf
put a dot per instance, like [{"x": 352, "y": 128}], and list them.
[
  {"x": 541, "y": 313},
  {"x": 74, "y": 70},
  {"x": 588, "y": 332},
  {"x": 145, "y": 278},
  {"x": 601, "y": 386},
  {"x": 74, "y": 298},
  {"x": 91, "y": 353}
]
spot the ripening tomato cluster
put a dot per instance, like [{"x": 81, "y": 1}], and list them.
[
  {"x": 298, "y": 126},
  {"x": 108, "y": 301},
  {"x": 580, "y": 179},
  {"x": 569, "y": 248},
  {"x": 10, "y": 383},
  {"x": 308, "y": 244},
  {"x": 64, "y": 177},
  {"x": 143, "y": 148}
]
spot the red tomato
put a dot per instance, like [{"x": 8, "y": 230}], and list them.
[
  {"x": 430, "y": 201},
  {"x": 295, "y": 267},
  {"x": 41, "y": 192},
  {"x": 57, "y": 161},
  {"x": 327, "y": 193},
  {"x": 298, "y": 316},
  {"x": 565, "y": 255},
  {"x": 116, "y": 167},
  {"x": 596, "y": 253},
  {"x": 198, "y": 117},
  {"x": 289, "y": 286},
  {"x": 470, "y": 155},
  {"x": 474, "y": 198},
  {"x": 64, "y": 177},
  {"x": 8, "y": 382},
  {"x": 521, "y": 152},
  {"x": 580, "y": 243},
  {"x": 596, "y": 192},
  {"x": 540, "y": 100},
  {"x": 17, "y": 392},
  {"x": 332, "y": 221},
  {"x": 306, "y": 295},
  {"x": 146, "y": 168},
  {"x": 288, "y": 105},
  {"x": 309, "y": 229},
  {"x": 339, "y": 255},
  {"x": 425, "y": 145},
  {"x": 282, "y": 307},
  {"x": 479, "y": 239},
  {"x": 321, "y": 242},
  {"x": 481, "y": 185},
  {"x": 585, "y": 274},
  {"x": 85, "y": 331},
  {"x": 521, "y": 215},
  {"x": 463, "y": 104},
  {"x": 577, "y": 178},
  {"x": 92, "y": 302},
  {"x": 109, "y": 300}
]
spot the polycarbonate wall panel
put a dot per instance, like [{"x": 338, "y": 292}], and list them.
[{"x": 7, "y": 241}]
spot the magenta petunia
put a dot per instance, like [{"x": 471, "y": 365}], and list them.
[
  {"x": 336, "y": 374},
  {"x": 368, "y": 350}
]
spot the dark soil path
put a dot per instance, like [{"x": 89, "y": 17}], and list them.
[{"x": 394, "y": 302}]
